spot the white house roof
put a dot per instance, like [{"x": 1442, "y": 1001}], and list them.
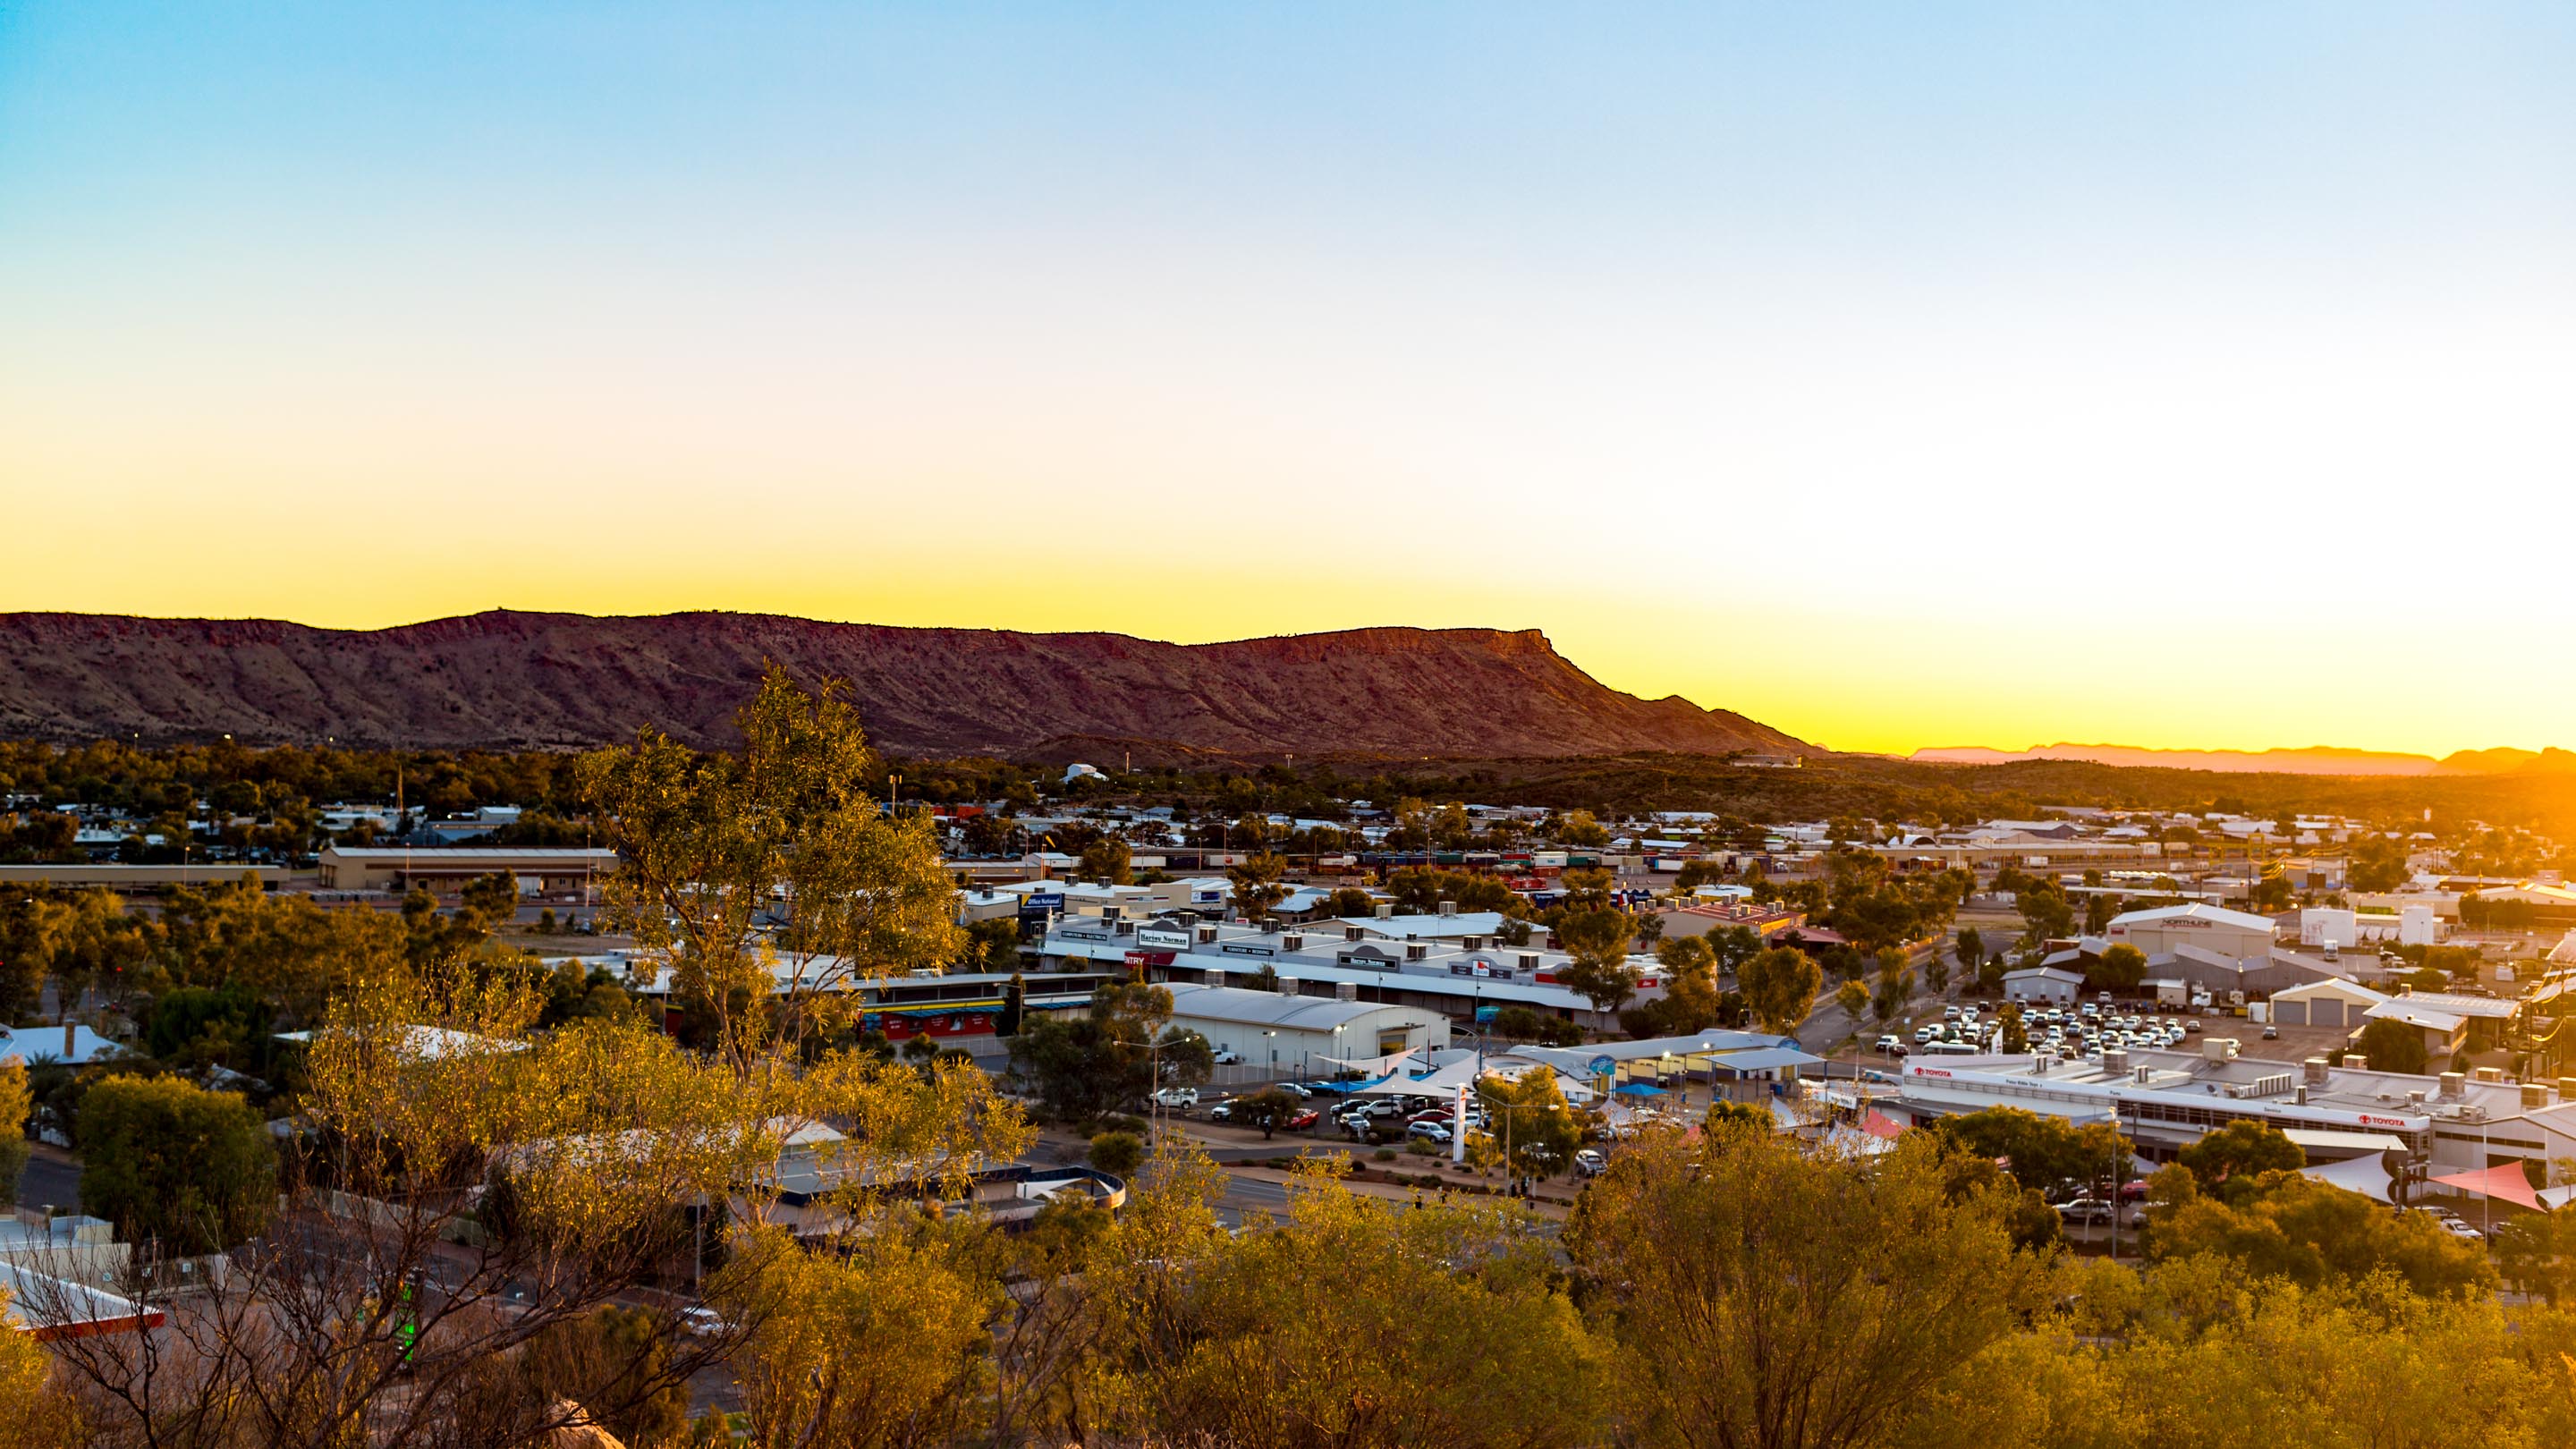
[
  {"x": 2404, "y": 1009},
  {"x": 2458, "y": 1005},
  {"x": 1405, "y": 928},
  {"x": 1268, "y": 1008},
  {"x": 2196, "y": 911},
  {"x": 2335, "y": 987},
  {"x": 2050, "y": 972}
]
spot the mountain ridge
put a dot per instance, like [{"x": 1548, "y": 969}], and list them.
[
  {"x": 518, "y": 680},
  {"x": 2307, "y": 760}
]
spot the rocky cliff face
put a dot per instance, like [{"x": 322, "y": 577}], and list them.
[{"x": 559, "y": 680}]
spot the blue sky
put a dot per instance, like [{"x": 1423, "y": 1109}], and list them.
[{"x": 1881, "y": 371}]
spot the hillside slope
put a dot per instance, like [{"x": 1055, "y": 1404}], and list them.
[{"x": 518, "y": 680}]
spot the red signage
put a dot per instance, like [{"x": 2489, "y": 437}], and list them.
[
  {"x": 1930, "y": 1072},
  {"x": 2369, "y": 1121}
]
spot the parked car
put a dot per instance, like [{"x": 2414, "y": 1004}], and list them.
[
  {"x": 2192, "y": 1026},
  {"x": 1588, "y": 1162},
  {"x": 1889, "y": 1045},
  {"x": 700, "y": 1321},
  {"x": 1925, "y": 1033},
  {"x": 2086, "y": 1210},
  {"x": 1428, "y": 1131},
  {"x": 1178, "y": 1096},
  {"x": 1221, "y": 1112},
  {"x": 1302, "y": 1118},
  {"x": 2271, "y": 1033},
  {"x": 1227, "y": 1057}
]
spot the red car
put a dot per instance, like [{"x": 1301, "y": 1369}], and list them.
[{"x": 1303, "y": 1118}]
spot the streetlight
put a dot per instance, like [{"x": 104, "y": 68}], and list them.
[{"x": 1267, "y": 1035}]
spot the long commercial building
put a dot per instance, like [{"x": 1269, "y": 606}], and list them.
[
  {"x": 2165, "y": 1101},
  {"x": 448, "y": 867},
  {"x": 1455, "y": 964}
]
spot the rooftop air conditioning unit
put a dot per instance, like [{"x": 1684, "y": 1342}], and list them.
[
  {"x": 1207, "y": 935},
  {"x": 2452, "y": 1082},
  {"x": 1292, "y": 943},
  {"x": 1448, "y": 908},
  {"x": 1346, "y": 991},
  {"x": 1385, "y": 911}
]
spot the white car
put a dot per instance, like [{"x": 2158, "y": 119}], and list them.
[
  {"x": 1227, "y": 1057},
  {"x": 1428, "y": 1131},
  {"x": 700, "y": 1321},
  {"x": 1923, "y": 1034},
  {"x": 1178, "y": 1096}
]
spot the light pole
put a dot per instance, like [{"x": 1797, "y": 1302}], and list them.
[
  {"x": 1268, "y": 1036},
  {"x": 2117, "y": 1181}
]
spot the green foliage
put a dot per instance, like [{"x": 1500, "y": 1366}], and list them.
[
  {"x": 1264, "y": 1109},
  {"x": 17, "y": 1105},
  {"x": 1421, "y": 889},
  {"x": 2392, "y": 1046},
  {"x": 1084, "y": 1067},
  {"x": 2045, "y": 912},
  {"x": 2038, "y": 1149},
  {"x": 992, "y": 946},
  {"x": 169, "y": 1161},
  {"x": 1780, "y": 986},
  {"x": 2118, "y": 969},
  {"x": 2285, "y": 1225},
  {"x": 1522, "y": 1023},
  {"x": 1597, "y": 939},
  {"x": 1530, "y": 1121},
  {"x": 708, "y": 842},
  {"x": 1117, "y": 1153},
  {"x": 2239, "y": 1152},
  {"x": 2378, "y": 864},
  {"x": 1256, "y": 885},
  {"x": 1106, "y": 860}
]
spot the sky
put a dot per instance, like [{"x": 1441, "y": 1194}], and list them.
[{"x": 2188, "y": 375}]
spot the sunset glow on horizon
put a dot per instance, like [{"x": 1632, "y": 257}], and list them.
[{"x": 1896, "y": 376}]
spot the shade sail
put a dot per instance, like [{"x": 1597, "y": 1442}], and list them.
[
  {"x": 1878, "y": 1124},
  {"x": 2504, "y": 1182},
  {"x": 2365, "y": 1175}
]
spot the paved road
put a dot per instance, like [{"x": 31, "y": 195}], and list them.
[
  {"x": 51, "y": 1177},
  {"x": 1247, "y": 1195}
]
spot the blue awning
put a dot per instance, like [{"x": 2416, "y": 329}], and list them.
[{"x": 1637, "y": 1089}]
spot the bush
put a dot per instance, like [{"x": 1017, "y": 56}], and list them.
[
  {"x": 1118, "y": 1153},
  {"x": 1420, "y": 1146},
  {"x": 1384, "y": 1154},
  {"x": 167, "y": 1160}
]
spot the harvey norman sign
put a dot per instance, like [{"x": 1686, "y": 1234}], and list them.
[{"x": 1149, "y": 936}]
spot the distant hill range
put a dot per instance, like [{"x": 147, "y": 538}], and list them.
[
  {"x": 2314, "y": 760},
  {"x": 516, "y": 680}
]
